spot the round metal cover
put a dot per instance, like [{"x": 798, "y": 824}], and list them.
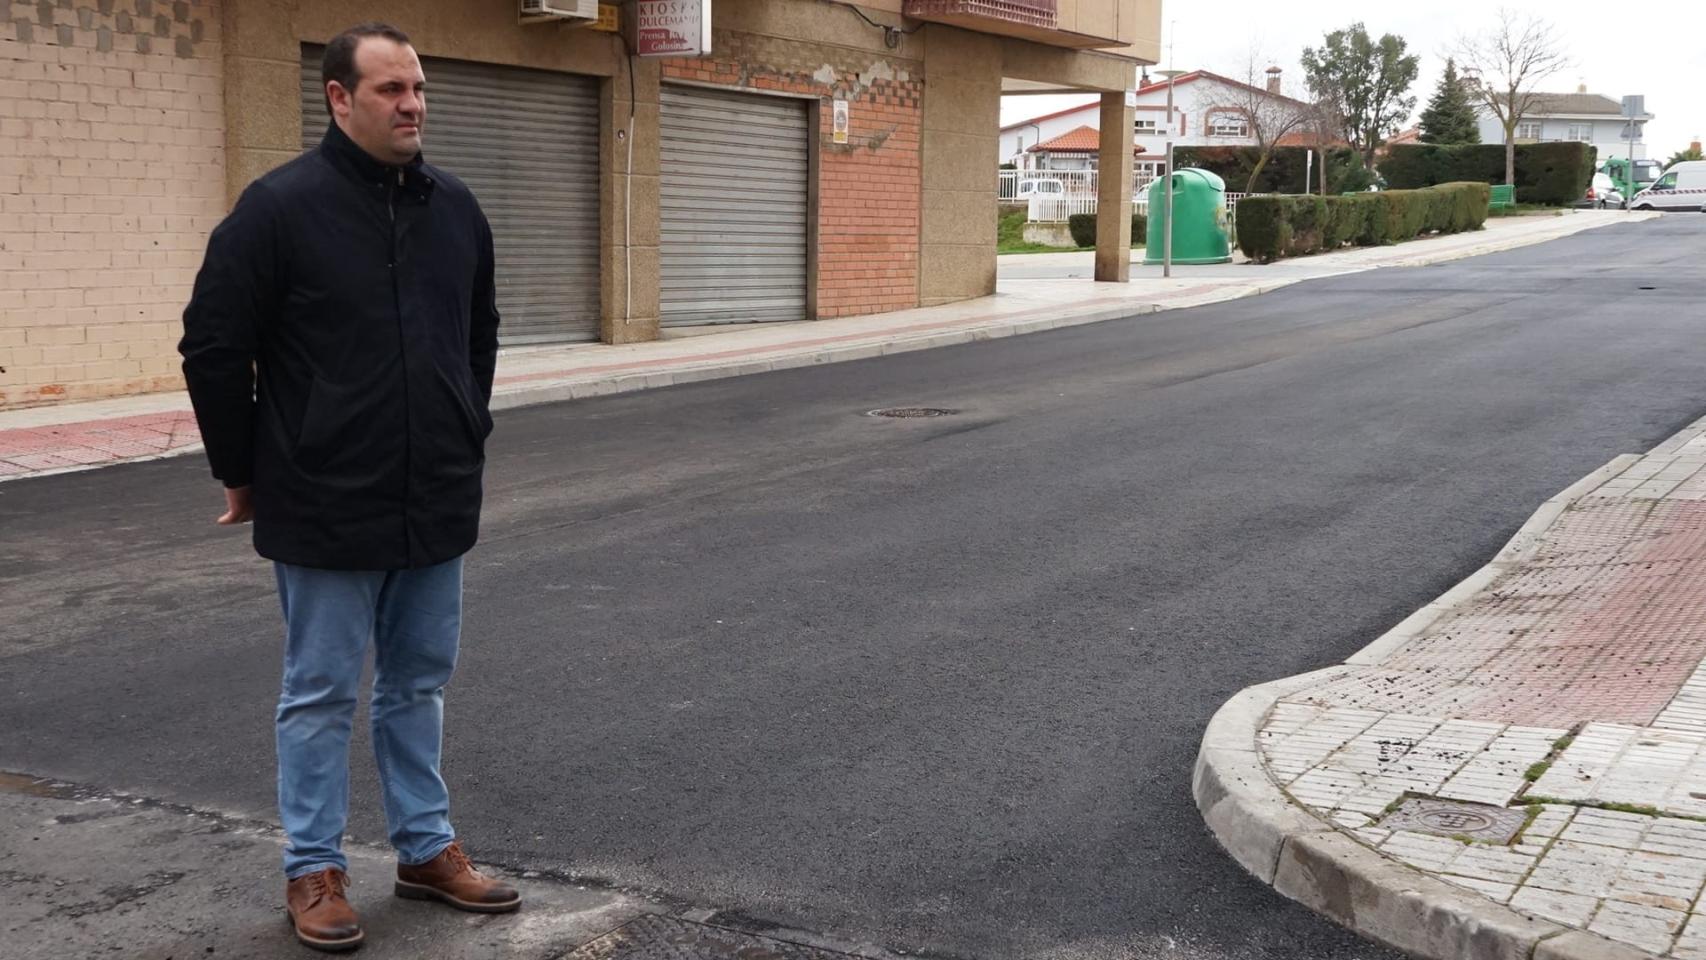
[
  {"x": 1454, "y": 818},
  {"x": 910, "y": 412}
]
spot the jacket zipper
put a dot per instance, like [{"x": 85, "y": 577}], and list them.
[{"x": 403, "y": 358}]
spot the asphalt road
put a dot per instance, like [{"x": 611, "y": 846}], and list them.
[{"x": 934, "y": 684}]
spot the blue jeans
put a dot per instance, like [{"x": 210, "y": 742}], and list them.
[{"x": 413, "y": 619}]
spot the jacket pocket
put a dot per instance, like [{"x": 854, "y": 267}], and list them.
[{"x": 336, "y": 426}]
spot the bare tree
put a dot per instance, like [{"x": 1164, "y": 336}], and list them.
[
  {"x": 1271, "y": 114},
  {"x": 1505, "y": 68},
  {"x": 1325, "y": 122}
]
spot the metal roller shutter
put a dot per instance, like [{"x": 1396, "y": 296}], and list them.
[
  {"x": 733, "y": 196},
  {"x": 526, "y": 143}
]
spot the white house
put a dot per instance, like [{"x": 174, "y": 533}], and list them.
[
  {"x": 1587, "y": 117},
  {"x": 1205, "y": 113}
]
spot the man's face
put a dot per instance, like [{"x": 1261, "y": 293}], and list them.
[{"x": 385, "y": 112}]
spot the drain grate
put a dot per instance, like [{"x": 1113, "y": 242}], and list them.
[
  {"x": 909, "y": 412},
  {"x": 665, "y": 938},
  {"x": 1454, "y": 818}
]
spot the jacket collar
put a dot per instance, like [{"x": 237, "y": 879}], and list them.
[{"x": 352, "y": 159}]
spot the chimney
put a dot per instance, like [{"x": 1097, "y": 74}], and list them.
[
  {"x": 1581, "y": 88},
  {"x": 1274, "y": 80},
  {"x": 1695, "y": 146}
]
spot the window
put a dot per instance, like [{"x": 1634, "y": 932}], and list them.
[
  {"x": 1228, "y": 125},
  {"x": 1147, "y": 127},
  {"x": 1666, "y": 182},
  {"x": 1528, "y": 130},
  {"x": 1582, "y": 132}
]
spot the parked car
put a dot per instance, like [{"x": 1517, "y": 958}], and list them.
[
  {"x": 1044, "y": 198},
  {"x": 1041, "y": 186},
  {"x": 1601, "y": 193},
  {"x": 1682, "y": 187}
]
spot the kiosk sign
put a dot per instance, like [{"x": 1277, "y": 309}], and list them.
[{"x": 672, "y": 28}]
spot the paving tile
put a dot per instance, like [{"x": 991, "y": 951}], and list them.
[
  {"x": 1577, "y": 868},
  {"x": 1498, "y": 892},
  {"x": 1660, "y": 880},
  {"x": 1607, "y": 828},
  {"x": 1549, "y": 822},
  {"x": 1373, "y": 836},
  {"x": 1685, "y": 838},
  {"x": 1567, "y": 908},
  {"x": 1497, "y": 864},
  {"x": 1422, "y": 851},
  {"x": 1649, "y": 928},
  {"x": 1691, "y": 944}
]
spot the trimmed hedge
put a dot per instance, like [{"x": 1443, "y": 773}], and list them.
[
  {"x": 1083, "y": 227},
  {"x": 1271, "y": 227},
  {"x": 1546, "y": 173}
]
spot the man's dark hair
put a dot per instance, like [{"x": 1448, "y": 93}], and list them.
[{"x": 339, "y": 62}]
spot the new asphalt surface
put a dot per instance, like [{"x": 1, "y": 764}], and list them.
[{"x": 935, "y": 684}]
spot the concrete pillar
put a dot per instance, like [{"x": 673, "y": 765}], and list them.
[
  {"x": 263, "y": 89},
  {"x": 629, "y": 210},
  {"x": 1113, "y": 190},
  {"x": 960, "y": 147}
]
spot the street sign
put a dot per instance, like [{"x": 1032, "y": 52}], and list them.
[
  {"x": 1634, "y": 105},
  {"x": 672, "y": 28},
  {"x": 839, "y": 128}
]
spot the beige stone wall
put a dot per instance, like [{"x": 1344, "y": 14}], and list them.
[
  {"x": 111, "y": 175},
  {"x": 962, "y": 120},
  {"x": 128, "y": 126}
]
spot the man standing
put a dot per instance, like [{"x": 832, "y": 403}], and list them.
[{"x": 339, "y": 349}]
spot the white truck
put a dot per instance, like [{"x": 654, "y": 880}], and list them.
[{"x": 1682, "y": 187}]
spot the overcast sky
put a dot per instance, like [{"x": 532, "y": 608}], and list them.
[{"x": 1653, "y": 48}]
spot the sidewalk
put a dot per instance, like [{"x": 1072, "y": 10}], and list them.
[
  {"x": 80, "y": 436},
  {"x": 1517, "y": 770}
]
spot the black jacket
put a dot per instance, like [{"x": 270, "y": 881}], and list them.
[{"x": 339, "y": 350}]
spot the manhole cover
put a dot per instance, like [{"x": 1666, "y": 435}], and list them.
[
  {"x": 665, "y": 938},
  {"x": 908, "y": 412},
  {"x": 1454, "y": 818}
]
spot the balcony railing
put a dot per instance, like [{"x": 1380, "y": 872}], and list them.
[{"x": 1029, "y": 13}]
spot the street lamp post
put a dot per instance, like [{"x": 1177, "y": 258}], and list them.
[{"x": 1167, "y": 189}]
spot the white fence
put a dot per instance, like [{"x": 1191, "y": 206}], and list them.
[{"x": 1054, "y": 195}]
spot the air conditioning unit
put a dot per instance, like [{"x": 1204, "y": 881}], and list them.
[{"x": 559, "y": 11}]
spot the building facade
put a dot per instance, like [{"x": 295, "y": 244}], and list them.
[
  {"x": 1208, "y": 110},
  {"x": 1581, "y": 116},
  {"x": 809, "y": 165}
]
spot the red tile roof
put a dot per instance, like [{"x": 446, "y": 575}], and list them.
[
  {"x": 1085, "y": 139},
  {"x": 1305, "y": 138}
]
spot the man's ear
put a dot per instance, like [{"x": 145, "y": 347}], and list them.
[{"x": 337, "y": 96}]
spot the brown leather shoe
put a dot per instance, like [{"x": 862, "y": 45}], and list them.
[
  {"x": 319, "y": 913},
  {"x": 451, "y": 878}
]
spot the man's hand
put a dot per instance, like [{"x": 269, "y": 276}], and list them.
[{"x": 239, "y": 508}]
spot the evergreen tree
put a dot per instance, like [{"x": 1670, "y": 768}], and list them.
[
  {"x": 1692, "y": 153},
  {"x": 1449, "y": 118}
]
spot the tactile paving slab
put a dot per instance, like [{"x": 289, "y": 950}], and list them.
[
  {"x": 1606, "y": 622},
  {"x": 653, "y": 937}
]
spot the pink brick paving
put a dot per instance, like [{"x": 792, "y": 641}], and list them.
[
  {"x": 1606, "y": 623},
  {"x": 91, "y": 442}
]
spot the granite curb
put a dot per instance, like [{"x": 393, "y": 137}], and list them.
[
  {"x": 570, "y": 388},
  {"x": 1314, "y": 862}
]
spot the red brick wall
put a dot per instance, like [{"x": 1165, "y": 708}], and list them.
[{"x": 868, "y": 189}]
